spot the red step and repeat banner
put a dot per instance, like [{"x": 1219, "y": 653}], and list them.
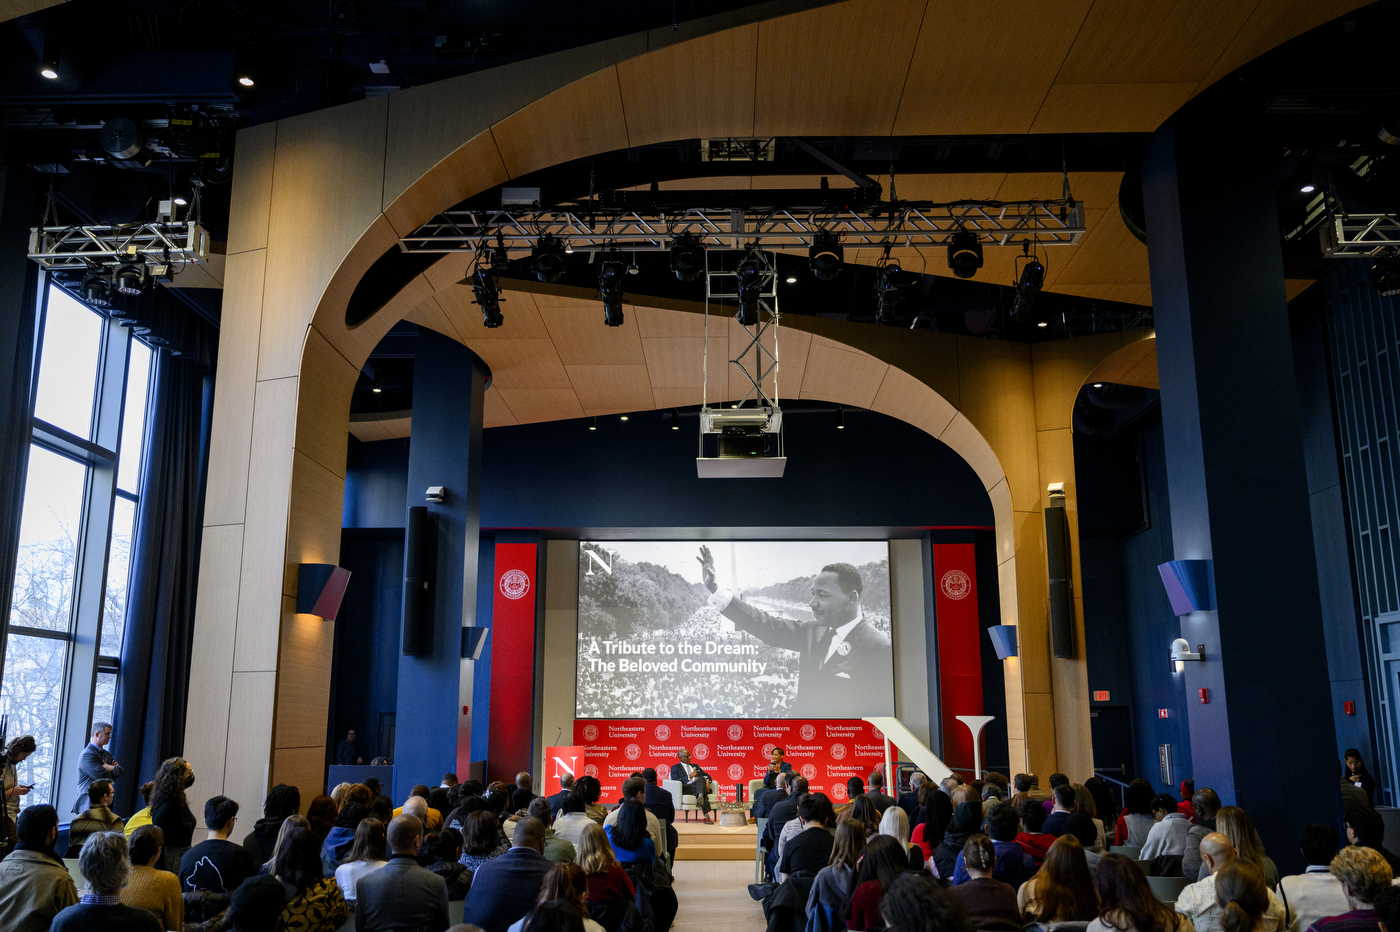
[{"x": 825, "y": 751}]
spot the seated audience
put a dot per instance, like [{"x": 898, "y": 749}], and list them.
[
  {"x": 916, "y": 903},
  {"x": 1063, "y": 889},
  {"x": 1022, "y": 785},
  {"x": 282, "y": 801},
  {"x": 98, "y": 817},
  {"x": 1056, "y": 780},
  {"x": 660, "y": 804},
  {"x": 1365, "y": 827},
  {"x": 1388, "y": 908},
  {"x": 338, "y": 794},
  {"x": 936, "y": 811},
  {"x": 556, "y": 849},
  {"x": 628, "y": 834},
  {"x": 171, "y": 811},
  {"x": 1127, "y": 903},
  {"x": 988, "y": 902},
  {"x": 967, "y": 821},
  {"x": 566, "y": 786},
  {"x": 442, "y": 855},
  {"x": 635, "y": 788},
  {"x": 591, "y": 790},
  {"x": 432, "y": 819},
  {"x": 607, "y": 879},
  {"x": 1364, "y": 875},
  {"x": 833, "y": 883},
  {"x": 564, "y": 884},
  {"x": 1084, "y": 805},
  {"x": 257, "y": 905},
  {"x": 1315, "y": 893},
  {"x": 1105, "y": 809},
  {"x": 402, "y": 894},
  {"x": 895, "y": 824},
  {"x": 909, "y": 801},
  {"x": 1241, "y": 898},
  {"x": 570, "y": 825},
  {"x": 1204, "y": 804},
  {"x": 1013, "y": 865},
  {"x": 1168, "y": 833},
  {"x": 881, "y": 863},
  {"x": 855, "y": 788},
  {"x": 34, "y": 883},
  {"x": 877, "y": 794},
  {"x": 341, "y": 838},
  {"x": 862, "y": 809},
  {"x": 1198, "y": 901},
  {"x": 105, "y": 867},
  {"x": 367, "y": 853},
  {"x": 437, "y": 803},
  {"x": 321, "y": 816},
  {"x": 1032, "y": 840},
  {"x": 314, "y": 903},
  {"x": 217, "y": 864},
  {"x": 524, "y": 792},
  {"x": 810, "y": 849},
  {"x": 141, "y": 816},
  {"x": 504, "y": 888},
  {"x": 1137, "y": 819},
  {"x": 1187, "y": 806},
  {"x": 1234, "y": 824},
  {"x": 482, "y": 840},
  {"x": 289, "y": 823},
  {"x": 991, "y": 797},
  {"x": 150, "y": 888},
  {"x": 1063, "y": 811}
]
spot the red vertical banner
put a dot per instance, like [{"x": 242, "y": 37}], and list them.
[
  {"x": 959, "y": 647},
  {"x": 559, "y": 761},
  {"x": 511, "y": 719}
]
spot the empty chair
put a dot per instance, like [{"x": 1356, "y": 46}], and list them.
[{"x": 1167, "y": 889}]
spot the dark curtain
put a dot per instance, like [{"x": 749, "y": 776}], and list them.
[{"x": 153, "y": 687}]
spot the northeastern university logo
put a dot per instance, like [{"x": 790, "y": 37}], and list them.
[
  {"x": 700, "y": 751},
  {"x": 735, "y": 732},
  {"x": 837, "y": 752},
  {"x": 808, "y": 732},
  {"x": 809, "y": 771},
  {"x": 514, "y": 584},
  {"x": 590, "y": 732},
  {"x": 736, "y": 771},
  {"x": 663, "y": 732},
  {"x": 633, "y": 752},
  {"x": 955, "y": 585},
  {"x": 838, "y": 791}
]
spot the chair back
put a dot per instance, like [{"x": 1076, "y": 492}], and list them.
[
  {"x": 674, "y": 788},
  {"x": 76, "y": 873},
  {"x": 1167, "y": 889},
  {"x": 1130, "y": 852},
  {"x": 755, "y": 788}
]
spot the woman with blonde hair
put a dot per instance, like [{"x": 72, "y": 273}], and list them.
[
  {"x": 1062, "y": 890},
  {"x": 1242, "y": 897},
  {"x": 1084, "y": 803},
  {"x": 368, "y": 853},
  {"x": 607, "y": 881},
  {"x": 895, "y": 823},
  {"x": 1234, "y": 824},
  {"x": 338, "y": 794},
  {"x": 565, "y": 883},
  {"x": 289, "y": 823}
]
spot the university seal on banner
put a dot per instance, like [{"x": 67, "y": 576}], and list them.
[
  {"x": 809, "y": 771},
  {"x": 876, "y": 733},
  {"x": 837, "y": 752},
  {"x": 808, "y": 732},
  {"x": 590, "y": 732},
  {"x": 736, "y": 771},
  {"x": 590, "y": 770},
  {"x": 955, "y": 584},
  {"x": 768, "y": 749},
  {"x": 514, "y": 584},
  {"x": 700, "y": 751},
  {"x": 633, "y": 752},
  {"x": 735, "y": 732},
  {"x": 662, "y": 732},
  {"x": 838, "y": 791}
]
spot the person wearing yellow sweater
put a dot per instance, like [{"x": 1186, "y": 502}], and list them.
[
  {"x": 144, "y": 816},
  {"x": 151, "y": 889}
]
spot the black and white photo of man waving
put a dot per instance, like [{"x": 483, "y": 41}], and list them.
[{"x": 845, "y": 661}]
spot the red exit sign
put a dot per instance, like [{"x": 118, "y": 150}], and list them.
[
  {"x": 1161, "y": 713},
  {"x": 1100, "y": 695}
]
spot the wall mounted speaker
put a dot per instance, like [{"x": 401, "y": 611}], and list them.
[
  {"x": 1057, "y": 553},
  {"x": 419, "y": 566}
]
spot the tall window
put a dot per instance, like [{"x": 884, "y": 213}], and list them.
[{"x": 82, "y": 487}]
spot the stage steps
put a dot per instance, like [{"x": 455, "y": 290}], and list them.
[{"x": 701, "y": 842}]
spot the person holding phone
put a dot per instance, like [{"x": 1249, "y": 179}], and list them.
[{"x": 15, "y": 752}]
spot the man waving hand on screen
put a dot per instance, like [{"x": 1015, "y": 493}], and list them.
[{"x": 843, "y": 657}]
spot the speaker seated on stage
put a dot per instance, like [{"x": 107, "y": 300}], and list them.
[
  {"x": 776, "y": 765},
  {"x": 843, "y": 656},
  {"x": 693, "y": 780}
]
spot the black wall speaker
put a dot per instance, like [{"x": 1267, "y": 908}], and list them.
[
  {"x": 1061, "y": 597},
  {"x": 419, "y": 566}
]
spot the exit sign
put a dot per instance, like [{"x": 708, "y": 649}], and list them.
[
  {"x": 1100, "y": 695},
  {"x": 1161, "y": 713}
]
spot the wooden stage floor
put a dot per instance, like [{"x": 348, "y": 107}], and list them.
[
  {"x": 713, "y": 896},
  {"x": 701, "y": 842}
]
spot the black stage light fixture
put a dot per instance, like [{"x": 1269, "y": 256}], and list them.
[
  {"x": 547, "y": 259},
  {"x": 675, "y": 419},
  {"x": 688, "y": 257},
  {"x": 825, "y": 256},
  {"x": 965, "y": 253},
  {"x": 1385, "y": 274},
  {"x": 129, "y": 279},
  {"x": 1028, "y": 287},
  {"x": 612, "y": 273},
  {"x": 500, "y": 259},
  {"x": 887, "y": 291},
  {"x": 751, "y": 275},
  {"x": 97, "y": 289},
  {"x": 53, "y": 51},
  {"x": 124, "y": 142},
  {"x": 488, "y": 295},
  {"x": 1389, "y": 130}
]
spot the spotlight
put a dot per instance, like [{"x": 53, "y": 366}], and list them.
[
  {"x": 593, "y": 423},
  {"x": 624, "y": 417},
  {"x": 886, "y": 291},
  {"x": 825, "y": 256},
  {"x": 488, "y": 295},
  {"x": 376, "y": 387},
  {"x": 180, "y": 202},
  {"x": 791, "y": 279},
  {"x": 129, "y": 279},
  {"x": 1308, "y": 188},
  {"x": 1389, "y": 130},
  {"x": 612, "y": 273},
  {"x": 500, "y": 259},
  {"x": 751, "y": 274},
  {"x": 97, "y": 290},
  {"x": 1028, "y": 287},
  {"x": 1043, "y": 323},
  {"x": 840, "y": 418},
  {"x": 547, "y": 259},
  {"x": 965, "y": 253},
  {"x": 245, "y": 81},
  {"x": 1385, "y": 274},
  {"x": 675, "y": 419},
  {"x": 1098, "y": 385},
  {"x": 48, "y": 67},
  {"x": 687, "y": 257},
  {"x": 568, "y": 249}
]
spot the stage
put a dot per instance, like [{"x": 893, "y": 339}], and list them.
[{"x": 701, "y": 842}]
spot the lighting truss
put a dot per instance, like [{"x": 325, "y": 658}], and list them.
[
  {"x": 1355, "y": 235},
  {"x": 93, "y": 245},
  {"x": 725, "y": 285},
  {"x": 641, "y": 229}
]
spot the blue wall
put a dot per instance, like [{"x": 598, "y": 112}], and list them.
[{"x": 365, "y": 675}]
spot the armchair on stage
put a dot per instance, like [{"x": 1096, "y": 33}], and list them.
[{"x": 683, "y": 801}]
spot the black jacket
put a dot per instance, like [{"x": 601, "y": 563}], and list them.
[
  {"x": 881, "y": 801},
  {"x": 767, "y": 800},
  {"x": 909, "y": 802},
  {"x": 808, "y": 850},
  {"x": 780, "y": 815},
  {"x": 660, "y": 804},
  {"x": 261, "y": 840}
]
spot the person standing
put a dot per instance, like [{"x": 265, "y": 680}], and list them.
[
  {"x": 1359, "y": 777},
  {"x": 171, "y": 811},
  {"x": 15, "y": 752},
  {"x": 402, "y": 894},
  {"x": 693, "y": 780},
  {"x": 96, "y": 763},
  {"x": 345, "y": 751}
]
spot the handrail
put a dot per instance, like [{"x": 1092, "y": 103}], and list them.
[{"x": 1122, "y": 792}]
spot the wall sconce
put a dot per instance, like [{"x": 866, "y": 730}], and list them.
[
  {"x": 321, "y": 589},
  {"x": 1181, "y": 652},
  {"x": 1003, "y": 640}
]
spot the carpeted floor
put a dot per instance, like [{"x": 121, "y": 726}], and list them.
[{"x": 714, "y": 897}]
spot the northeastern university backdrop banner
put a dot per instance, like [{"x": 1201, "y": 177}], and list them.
[{"x": 732, "y": 751}]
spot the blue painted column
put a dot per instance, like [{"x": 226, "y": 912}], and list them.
[
  {"x": 1235, "y": 470},
  {"x": 432, "y": 733}
]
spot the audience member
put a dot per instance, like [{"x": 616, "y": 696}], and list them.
[
  {"x": 282, "y": 800},
  {"x": 570, "y": 825},
  {"x": 314, "y": 903},
  {"x": 1198, "y": 901},
  {"x": 1023, "y": 785},
  {"x": 916, "y": 903},
  {"x": 607, "y": 880},
  {"x": 895, "y": 824},
  {"x": 1012, "y": 864},
  {"x": 1105, "y": 809},
  {"x": 1315, "y": 893},
  {"x": 98, "y": 817},
  {"x": 877, "y": 794},
  {"x": 862, "y": 810},
  {"x": 591, "y": 790},
  {"x": 504, "y": 888},
  {"x": 34, "y": 883},
  {"x": 1084, "y": 805},
  {"x": 1186, "y": 806},
  {"x": 629, "y": 835},
  {"x": 257, "y": 905},
  {"x": 967, "y": 821},
  {"x": 217, "y": 865},
  {"x": 556, "y": 849},
  {"x": 1169, "y": 830},
  {"x": 1056, "y": 780},
  {"x": 770, "y": 797},
  {"x": 141, "y": 816},
  {"x": 1061, "y": 808},
  {"x": 810, "y": 849},
  {"x": 659, "y": 802},
  {"x": 338, "y": 794},
  {"x": 171, "y": 811},
  {"x": 482, "y": 840},
  {"x": 855, "y": 788},
  {"x": 382, "y": 808},
  {"x": 432, "y": 819},
  {"x": 376, "y": 789},
  {"x": 1063, "y": 889},
  {"x": 367, "y": 853},
  {"x": 634, "y": 788},
  {"x": 988, "y": 902},
  {"x": 882, "y": 862},
  {"x": 991, "y": 797},
  {"x": 341, "y": 838},
  {"x": 149, "y": 888},
  {"x": 1234, "y": 824},
  {"x": 1033, "y": 841},
  {"x": 937, "y": 810},
  {"x": 289, "y": 823},
  {"x": 832, "y": 886},
  {"x": 1388, "y": 908},
  {"x": 779, "y": 815},
  {"x": 105, "y": 867},
  {"x": 1357, "y": 775},
  {"x": 1365, "y": 827},
  {"x": 1205, "y": 804},
  {"x": 1137, "y": 820},
  {"x": 402, "y": 894},
  {"x": 1241, "y": 898},
  {"x": 1127, "y": 903},
  {"x": 321, "y": 816},
  {"x": 442, "y": 855},
  {"x": 909, "y": 801},
  {"x": 564, "y": 884},
  {"x": 1364, "y": 875},
  {"x": 437, "y": 802},
  {"x": 524, "y": 791},
  {"x": 566, "y": 786}
]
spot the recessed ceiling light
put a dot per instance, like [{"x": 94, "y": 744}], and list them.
[
  {"x": 246, "y": 81},
  {"x": 180, "y": 202},
  {"x": 1098, "y": 385},
  {"x": 49, "y": 73},
  {"x": 1043, "y": 323},
  {"x": 624, "y": 417},
  {"x": 792, "y": 279},
  {"x": 1307, "y": 189}
]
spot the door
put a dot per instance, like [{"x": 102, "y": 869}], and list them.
[{"x": 1110, "y": 728}]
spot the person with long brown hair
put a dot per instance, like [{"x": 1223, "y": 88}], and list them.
[
  {"x": 833, "y": 883},
  {"x": 321, "y": 816},
  {"x": 368, "y": 852},
  {"x": 883, "y": 860},
  {"x": 1242, "y": 897},
  {"x": 1127, "y": 903},
  {"x": 989, "y": 903},
  {"x": 1062, "y": 890},
  {"x": 290, "y": 822},
  {"x": 1234, "y": 824},
  {"x": 567, "y": 883},
  {"x": 315, "y": 904}
]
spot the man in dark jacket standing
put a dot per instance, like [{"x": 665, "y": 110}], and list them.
[
  {"x": 97, "y": 763},
  {"x": 505, "y": 888},
  {"x": 909, "y": 801},
  {"x": 402, "y": 894}
]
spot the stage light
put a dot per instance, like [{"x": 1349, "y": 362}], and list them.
[
  {"x": 568, "y": 249},
  {"x": 593, "y": 423},
  {"x": 751, "y": 274},
  {"x": 97, "y": 290},
  {"x": 688, "y": 257},
  {"x": 675, "y": 419},
  {"x": 376, "y": 387},
  {"x": 129, "y": 279},
  {"x": 1098, "y": 385},
  {"x": 886, "y": 291},
  {"x": 840, "y": 418},
  {"x": 1389, "y": 130},
  {"x": 965, "y": 253},
  {"x": 500, "y": 259},
  {"x": 179, "y": 202},
  {"x": 245, "y": 81},
  {"x": 1385, "y": 274},
  {"x": 825, "y": 256},
  {"x": 488, "y": 294},
  {"x": 1028, "y": 287},
  {"x": 547, "y": 259},
  {"x": 1043, "y": 323},
  {"x": 53, "y": 51},
  {"x": 612, "y": 272}
]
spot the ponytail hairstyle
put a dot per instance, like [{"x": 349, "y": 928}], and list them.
[
  {"x": 1241, "y": 895},
  {"x": 978, "y": 853}
]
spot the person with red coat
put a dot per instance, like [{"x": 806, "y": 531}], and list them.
[{"x": 1032, "y": 840}]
